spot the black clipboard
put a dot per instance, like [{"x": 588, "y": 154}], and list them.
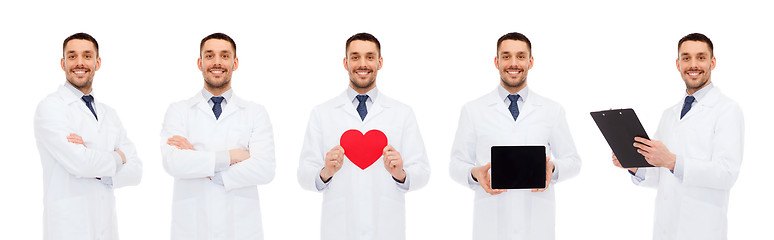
[
  {"x": 518, "y": 167},
  {"x": 620, "y": 126}
]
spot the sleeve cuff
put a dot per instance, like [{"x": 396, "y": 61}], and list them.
[
  {"x": 107, "y": 181},
  {"x": 217, "y": 179},
  {"x": 639, "y": 176},
  {"x": 318, "y": 182},
  {"x": 404, "y": 186},
  {"x": 222, "y": 161},
  {"x": 679, "y": 168}
]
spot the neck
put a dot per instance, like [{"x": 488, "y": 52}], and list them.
[
  {"x": 362, "y": 90},
  {"x": 217, "y": 91},
  {"x": 85, "y": 90},
  {"x": 513, "y": 89},
  {"x": 691, "y": 91}
]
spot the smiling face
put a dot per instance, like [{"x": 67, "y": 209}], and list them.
[
  {"x": 80, "y": 62},
  {"x": 362, "y": 63},
  {"x": 513, "y": 61},
  {"x": 217, "y": 62},
  {"x": 695, "y": 63}
]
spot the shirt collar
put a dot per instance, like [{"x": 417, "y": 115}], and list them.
[
  {"x": 226, "y": 95},
  {"x": 76, "y": 91},
  {"x": 524, "y": 93},
  {"x": 699, "y": 95},
  {"x": 372, "y": 94}
]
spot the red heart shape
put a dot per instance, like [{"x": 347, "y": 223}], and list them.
[{"x": 363, "y": 150}]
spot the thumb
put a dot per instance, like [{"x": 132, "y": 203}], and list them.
[{"x": 387, "y": 149}]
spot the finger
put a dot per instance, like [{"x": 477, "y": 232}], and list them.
[
  {"x": 387, "y": 149},
  {"x": 643, "y": 153},
  {"x": 394, "y": 163},
  {"x": 643, "y": 147},
  {"x": 643, "y": 141},
  {"x": 488, "y": 166}
]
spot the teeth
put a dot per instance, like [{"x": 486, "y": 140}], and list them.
[
  {"x": 80, "y": 72},
  {"x": 217, "y": 72}
]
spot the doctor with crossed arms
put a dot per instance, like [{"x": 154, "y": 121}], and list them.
[{"x": 218, "y": 147}]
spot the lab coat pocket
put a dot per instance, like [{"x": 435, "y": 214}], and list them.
[
  {"x": 334, "y": 213},
  {"x": 247, "y": 216},
  {"x": 700, "y": 220},
  {"x": 538, "y": 133},
  {"x": 112, "y": 137},
  {"x": 239, "y": 136},
  {"x": 184, "y": 218},
  {"x": 68, "y": 218}
]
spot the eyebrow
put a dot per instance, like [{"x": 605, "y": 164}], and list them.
[
  {"x": 73, "y": 51},
  {"x": 519, "y": 52},
  {"x": 367, "y": 53}
]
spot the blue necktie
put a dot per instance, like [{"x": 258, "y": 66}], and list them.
[
  {"x": 361, "y": 107},
  {"x": 686, "y": 106},
  {"x": 514, "y": 108},
  {"x": 216, "y": 106},
  {"x": 88, "y": 99}
]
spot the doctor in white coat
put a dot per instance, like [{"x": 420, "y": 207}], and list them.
[
  {"x": 512, "y": 115},
  {"x": 697, "y": 151},
  {"x": 84, "y": 151},
  {"x": 363, "y": 203},
  {"x": 218, "y": 147}
]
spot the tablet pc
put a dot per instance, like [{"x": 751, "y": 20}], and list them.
[{"x": 518, "y": 167}]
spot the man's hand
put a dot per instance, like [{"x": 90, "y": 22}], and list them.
[
  {"x": 618, "y": 164},
  {"x": 549, "y": 174},
  {"x": 75, "y": 138},
  {"x": 180, "y": 142},
  {"x": 393, "y": 162},
  {"x": 481, "y": 174},
  {"x": 334, "y": 159},
  {"x": 656, "y": 153},
  {"x": 238, "y": 155}
]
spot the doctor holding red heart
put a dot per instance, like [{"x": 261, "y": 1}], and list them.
[{"x": 344, "y": 139}]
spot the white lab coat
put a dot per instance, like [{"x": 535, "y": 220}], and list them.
[
  {"x": 202, "y": 208},
  {"x": 363, "y": 204},
  {"x": 486, "y": 122},
  {"x": 708, "y": 142},
  {"x": 76, "y": 205}
]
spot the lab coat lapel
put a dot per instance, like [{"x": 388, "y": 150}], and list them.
[
  {"x": 70, "y": 98},
  {"x": 345, "y": 105},
  {"x": 705, "y": 104},
  {"x": 529, "y": 105},
  {"x": 378, "y": 107},
  {"x": 235, "y": 104},
  {"x": 100, "y": 110},
  {"x": 498, "y": 105},
  {"x": 198, "y": 101}
]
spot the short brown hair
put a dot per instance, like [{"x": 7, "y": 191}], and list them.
[
  {"x": 364, "y": 37},
  {"x": 221, "y": 36},
  {"x": 81, "y": 36},
  {"x": 697, "y": 37},
  {"x": 516, "y": 37}
]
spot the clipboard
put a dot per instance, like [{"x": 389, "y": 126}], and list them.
[
  {"x": 620, "y": 126},
  {"x": 518, "y": 167}
]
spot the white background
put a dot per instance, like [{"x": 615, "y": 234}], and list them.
[{"x": 437, "y": 55}]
